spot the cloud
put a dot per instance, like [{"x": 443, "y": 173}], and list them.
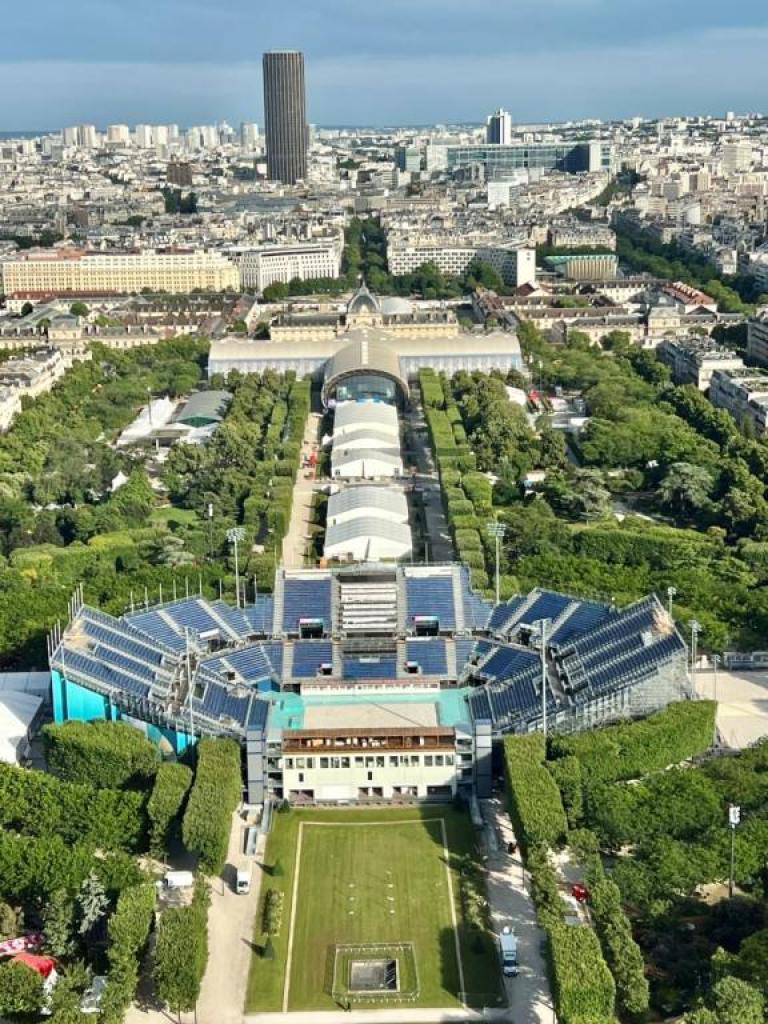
[{"x": 671, "y": 75}]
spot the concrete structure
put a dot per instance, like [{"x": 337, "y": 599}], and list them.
[
  {"x": 46, "y": 273},
  {"x": 757, "y": 337},
  {"x": 693, "y": 360},
  {"x": 744, "y": 394},
  {"x": 285, "y": 119},
  {"x": 515, "y": 262},
  {"x": 541, "y": 156},
  {"x": 285, "y": 262},
  {"x": 584, "y": 266},
  {"x": 498, "y": 130}
]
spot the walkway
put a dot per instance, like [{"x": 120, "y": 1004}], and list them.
[
  {"x": 397, "y": 1015},
  {"x": 529, "y": 997},
  {"x": 297, "y": 537},
  {"x": 439, "y": 546}
]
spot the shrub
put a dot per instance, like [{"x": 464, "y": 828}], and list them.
[
  {"x": 181, "y": 952},
  {"x": 215, "y": 795},
  {"x": 128, "y": 930},
  {"x": 632, "y": 750},
  {"x": 164, "y": 806},
  {"x": 37, "y": 804},
  {"x": 622, "y": 953},
  {"x": 567, "y": 775},
  {"x": 534, "y": 799},
  {"x": 583, "y": 987},
  {"x": 107, "y": 755},
  {"x": 21, "y": 989},
  {"x": 272, "y": 913}
]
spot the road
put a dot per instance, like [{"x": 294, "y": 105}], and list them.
[
  {"x": 231, "y": 920},
  {"x": 529, "y": 996}
]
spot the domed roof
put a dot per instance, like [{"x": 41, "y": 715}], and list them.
[
  {"x": 363, "y": 301},
  {"x": 393, "y": 305}
]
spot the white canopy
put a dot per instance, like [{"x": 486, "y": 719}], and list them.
[{"x": 17, "y": 713}]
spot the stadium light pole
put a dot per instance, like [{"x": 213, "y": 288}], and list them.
[
  {"x": 671, "y": 593},
  {"x": 497, "y": 530},
  {"x": 695, "y": 630},
  {"x": 715, "y": 663},
  {"x": 542, "y": 625},
  {"x": 234, "y": 536}
]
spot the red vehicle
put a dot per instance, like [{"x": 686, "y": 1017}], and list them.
[{"x": 580, "y": 892}]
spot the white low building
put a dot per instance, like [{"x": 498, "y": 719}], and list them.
[
  {"x": 365, "y": 463},
  {"x": 388, "y": 503},
  {"x": 351, "y": 417},
  {"x": 368, "y": 539}
]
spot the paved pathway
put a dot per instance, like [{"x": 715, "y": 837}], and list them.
[
  {"x": 439, "y": 543},
  {"x": 296, "y": 539},
  {"x": 529, "y": 997},
  {"x": 231, "y": 921},
  {"x": 397, "y": 1015}
]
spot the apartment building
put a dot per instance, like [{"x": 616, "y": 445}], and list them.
[
  {"x": 742, "y": 393},
  {"x": 453, "y": 254},
  {"x": 757, "y": 337},
  {"x": 693, "y": 360},
  {"x": 44, "y": 273},
  {"x": 267, "y": 264}
]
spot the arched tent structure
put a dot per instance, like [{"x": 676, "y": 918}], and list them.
[{"x": 366, "y": 369}]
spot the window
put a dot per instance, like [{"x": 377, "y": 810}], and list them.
[
  {"x": 323, "y": 762},
  {"x": 428, "y": 760},
  {"x": 310, "y": 762},
  {"x": 359, "y": 762},
  {"x": 335, "y": 762},
  {"x": 288, "y": 763},
  {"x": 415, "y": 760},
  {"x": 379, "y": 762},
  {"x": 393, "y": 761},
  {"x": 299, "y": 762},
  {"x": 345, "y": 762},
  {"x": 439, "y": 760}
]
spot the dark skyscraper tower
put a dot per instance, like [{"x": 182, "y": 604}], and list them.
[{"x": 285, "y": 117}]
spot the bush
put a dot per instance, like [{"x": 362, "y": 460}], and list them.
[
  {"x": 632, "y": 750},
  {"x": 181, "y": 952},
  {"x": 583, "y": 987},
  {"x": 164, "y": 806},
  {"x": 107, "y": 755},
  {"x": 534, "y": 799},
  {"x": 21, "y": 989},
  {"x": 214, "y": 797},
  {"x": 622, "y": 953},
  {"x": 567, "y": 775},
  {"x": 272, "y": 913},
  {"x": 37, "y": 804},
  {"x": 128, "y": 930}
]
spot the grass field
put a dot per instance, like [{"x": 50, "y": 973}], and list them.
[{"x": 380, "y": 876}]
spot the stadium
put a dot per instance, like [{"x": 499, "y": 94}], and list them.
[{"x": 374, "y": 679}]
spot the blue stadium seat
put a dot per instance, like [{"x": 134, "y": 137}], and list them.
[
  {"x": 384, "y": 667},
  {"x": 429, "y": 654},
  {"x": 431, "y": 596},
  {"x": 308, "y": 656},
  {"x": 306, "y": 599}
]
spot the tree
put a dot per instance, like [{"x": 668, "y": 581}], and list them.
[
  {"x": 21, "y": 989},
  {"x": 26, "y": 309},
  {"x": 79, "y": 309},
  {"x": 92, "y": 903},
  {"x": 59, "y": 924},
  {"x": 685, "y": 489},
  {"x": 736, "y": 1002},
  {"x": 8, "y": 921},
  {"x": 181, "y": 953}
]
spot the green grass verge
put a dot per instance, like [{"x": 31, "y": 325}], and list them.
[
  {"x": 168, "y": 514},
  {"x": 399, "y": 856}
]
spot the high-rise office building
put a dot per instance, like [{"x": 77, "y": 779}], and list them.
[
  {"x": 499, "y": 128},
  {"x": 285, "y": 120}
]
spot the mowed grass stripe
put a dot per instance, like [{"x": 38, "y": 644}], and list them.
[{"x": 422, "y": 885}]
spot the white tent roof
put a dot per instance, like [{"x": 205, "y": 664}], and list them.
[{"x": 17, "y": 712}]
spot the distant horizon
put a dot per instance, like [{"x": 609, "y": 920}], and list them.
[{"x": 400, "y": 64}]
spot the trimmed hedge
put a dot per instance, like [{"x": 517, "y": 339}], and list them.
[
  {"x": 583, "y": 987},
  {"x": 37, "y": 804},
  {"x": 181, "y": 952},
  {"x": 172, "y": 783},
  {"x": 106, "y": 755},
  {"x": 622, "y": 953},
  {"x": 632, "y": 750},
  {"x": 534, "y": 799},
  {"x": 128, "y": 930},
  {"x": 212, "y": 801},
  {"x": 567, "y": 775}
]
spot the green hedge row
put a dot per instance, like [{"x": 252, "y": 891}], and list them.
[
  {"x": 181, "y": 952},
  {"x": 583, "y": 987},
  {"x": 37, "y": 804},
  {"x": 632, "y": 750},
  {"x": 215, "y": 795},
  {"x": 535, "y": 805},
  {"x": 164, "y": 807},
  {"x": 622, "y": 953},
  {"x": 106, "y": 755},
  {"x": 31, "y": 868},
  {"x": 128, "y": 930}
]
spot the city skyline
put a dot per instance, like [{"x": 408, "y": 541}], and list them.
[{"x": 81, "y": 63}]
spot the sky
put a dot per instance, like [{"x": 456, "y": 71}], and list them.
[{"x": 386, "y": 63}]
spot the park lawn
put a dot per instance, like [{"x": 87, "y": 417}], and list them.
[
  {"x": 167, "y": 514},
  {"x": 370, "y": 855}
]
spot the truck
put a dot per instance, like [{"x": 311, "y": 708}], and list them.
[
  {"x": 178, "y": 880},
  {"x": 243, "y": 882},
  {"x": 508, "y": 952}
]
